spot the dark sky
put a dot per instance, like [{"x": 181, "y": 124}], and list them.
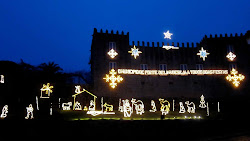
[{"x": 39, "y": 31}]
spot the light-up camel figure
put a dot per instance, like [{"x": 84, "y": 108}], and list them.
[
  {"x": 4, "y": 111},
  {"x": 165, "y": 108},
  {"x": 139, "y": 106},
  {"x": 191, "y": 107}
]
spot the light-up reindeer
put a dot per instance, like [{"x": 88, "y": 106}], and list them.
[
  {"x": 165, "y": 108},
  {"x": 191, "y": 107}
]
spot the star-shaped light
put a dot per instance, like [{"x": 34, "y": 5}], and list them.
[
  {"x": 235, "y": 77},
  {"x": 112, "y": 78},
  {"x": 134, "y": 52},
  {"x": 112, "y": 53},
  {"x": 231, "y": 56},
  {"x": 203, "y": 53},
  {"x": 167, "y": 35}
]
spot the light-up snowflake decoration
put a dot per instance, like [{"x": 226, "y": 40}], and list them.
[
  {"x": 203, "y": 53},
  {"x": 112, "y": 78},
  {"x": 231, "y": 56},
  {"x": 235, "y": 77},
  {"x": 167, "y": 35},
  {"x": 112, "y": 53},
  {"x": 134, "y": 52}
]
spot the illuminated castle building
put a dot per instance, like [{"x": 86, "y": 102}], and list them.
[{"x": 140, "y": 75}]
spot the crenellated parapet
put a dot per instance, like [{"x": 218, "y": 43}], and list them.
[{"x": 111, "y": 32}]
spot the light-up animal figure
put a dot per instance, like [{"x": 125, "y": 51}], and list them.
[
  {"x": 139, "y": 106},
  {"x": 153, "y": 106},
  {"x": 4, "y": 111},
  {"x": 108, "y": 107},
  {"x": 165, "y": 108},
  {"x": 66, "y": 106},
  {"x": 29, "y": 112},
  {"x": 127, "y": 109},
  {"x": 191, "y": 107}
]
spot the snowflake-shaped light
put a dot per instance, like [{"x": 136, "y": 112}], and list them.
[
  {"x": 112, "y": 78},
  {"x": 134, "y": 52},
  {"x": 167, "y": 35},
  {"x": 203, "y": 53},
  {"x": 231, "y": 56},
  {"x": 235, "y": 77},
  {"x": 112, "y": 53}
]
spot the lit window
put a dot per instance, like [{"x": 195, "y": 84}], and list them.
[
  {"x": 163, "y": 67},
  {"x": 183, "y": 66},
  {"x": 112, "y": 45},
  {"x": 144, "y": 66},
  {"x": 199, "y": 66},
  {"x": 112, "y": 65}
]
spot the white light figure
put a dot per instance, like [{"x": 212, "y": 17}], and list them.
[
  {"x": 92, "y": 105},
  {"x": 167, "y": 35},
  {"x": 170, "y": 47},
  {"x": 231, "y": 56},
  {"x": 37, "y": 106},
  {"x": 202, "y": 102},
  {"x": 218, "y": 107},
  {"x": 66, "y": 106},
  {"x": 191, "y": 107},
  {"x": 2, "y": 79},
  {"x": 139, "y": 106},
  {"x": 207, "y": 109},
  {"x": 78, "y": 106},
  {"x": 173, "y": 104},
  {"x": 182, "y": 108},
  {"x": 30, "y": 110},
  {"x": 165, "y": 108},
  {"x": 127, "y": 109},
  {"x": 134, "y": 52},
  {"x": 50, "y": 109},
  {"x": 203, "y": 53},
  {"x": 112, "y": 53},
  {"x": 4, "y": 111},
  {"x": 48, "y": 89},
  {"x": 120, "y": 108},
  {"x": 153, "y": 106}
]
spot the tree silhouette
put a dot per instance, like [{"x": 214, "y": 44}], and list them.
[{"x": 50, "y": 68}]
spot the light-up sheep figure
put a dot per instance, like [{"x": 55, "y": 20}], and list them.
[
  {"x": 153, "y": 106},
  {"x": 182, "y": 108},
  {"x": 127, "y": 109},
  {"x": 139, "y": 106},
  {"x": 4, "y": 111},
  {"x": 30, "y": 110},
  {"x": 66, "y": 106},
  {"x": 202, "y": 102},
  {"x": 165, "y": 108},
  {"x": 191, "y": 107}
]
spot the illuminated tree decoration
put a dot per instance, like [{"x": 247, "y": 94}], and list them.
[
  {"x": 48, "y": 89},
  {"x": 202, "y": 102},
  {"x": 203, "y": 53},
  {"x": 164, "y": 108},
  {"x": 4, "y": 111},
  {"x": 112, "y": 53},
  {"x": 112, "y": 78},
  {"x": 134, "y": 52},
  {"x": 231, "y": 56},
  {"x": 235, "y": 77},
  {"x": 30, "y": 110},
  {"x": 191, "y": 107},
  {"x": 167, "y": 35},
  {"x": 2, "y": 79}
]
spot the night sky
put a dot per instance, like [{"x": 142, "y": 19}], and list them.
[{"x": 40, "y": 31}]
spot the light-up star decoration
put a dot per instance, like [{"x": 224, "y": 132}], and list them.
[
  {"x": 231, "y": 56},
  {"x": 134, "y": 52},
  {"x": 112, "y": 78},
  {"x": 167, "y": 35},
  {"x": 235, "y": 77},
  {"x": 48, "y": 89},
  {"x": 112, "y": 53},
  {"x": 203, "y": 53}
]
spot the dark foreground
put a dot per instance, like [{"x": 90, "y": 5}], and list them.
[{"x": 168, "y": 129}]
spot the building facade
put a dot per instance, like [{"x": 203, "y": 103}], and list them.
[{"x": 154, "y": 56}]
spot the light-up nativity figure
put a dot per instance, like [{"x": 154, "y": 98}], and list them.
[
  {"x": 46, "y": 90},
  {"x": 4, "y": 111},
  {"x": 30, "y": 110}
]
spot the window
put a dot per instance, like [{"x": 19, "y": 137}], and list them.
[
  {"x": 232, "y": 66},
  {"x": 183, "y": 66},
  {"x": 163, "y": 67},
  {"x": 112, "y": 45},
  {"x": 144, "y": 66},
  {"x": 112, "y": 65},
  {"x": 199, "y": 66},
  {"x": 230, "y": 48}
]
